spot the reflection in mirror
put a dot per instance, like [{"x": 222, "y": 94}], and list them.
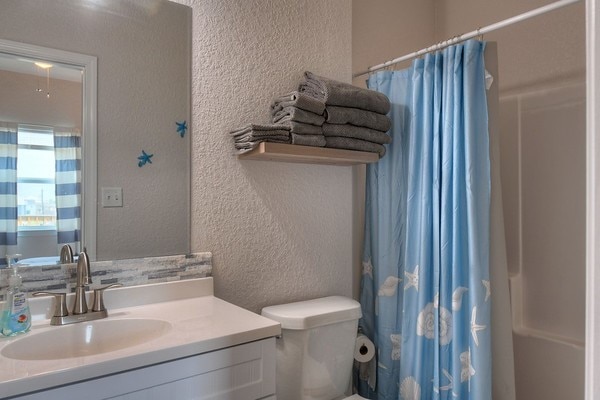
[
  {"x": 41, "y": 164},
  {"x": 143, "y": 52}
]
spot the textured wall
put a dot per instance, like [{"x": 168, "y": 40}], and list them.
[{"x": 278, "y": 232}]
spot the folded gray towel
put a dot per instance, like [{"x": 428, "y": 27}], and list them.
[
  {"x": 357, "y": 117},
  {"x": 247, "y": 146},
  {"x": 356, "y": 132},
  {"x": 274, "y": 139},
  {"x": 343, "y": 94},
  {"x": 354, "y": 144},
  {"x": 309, "y": 140},
  {"x": 302, "y": 129},
  {"x": 299, "y": 100},
  {"x": 298, "y": 115},
  {"x": 258, "y": 130},
  {"x": 249, "y": 136}
]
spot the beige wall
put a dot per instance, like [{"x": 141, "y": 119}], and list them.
[
  {"x": 278, "y": 232},
  {"x": 533, "y": 53},
  {"x": 386, "y": 29},
  {"x": 141, "y": 93}
]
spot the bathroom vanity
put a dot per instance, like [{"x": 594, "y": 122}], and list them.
[{"x": 166, "y": 340}]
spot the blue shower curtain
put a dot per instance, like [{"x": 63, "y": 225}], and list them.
[{"x": 425, "y": 290}]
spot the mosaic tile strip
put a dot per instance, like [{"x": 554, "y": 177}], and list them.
[{"x": 136, "y": 271}]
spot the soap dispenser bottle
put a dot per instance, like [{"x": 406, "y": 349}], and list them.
[{"x": 17, "y": 317}]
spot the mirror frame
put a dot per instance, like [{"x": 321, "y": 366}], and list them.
[{"x": 89, "y": 127}]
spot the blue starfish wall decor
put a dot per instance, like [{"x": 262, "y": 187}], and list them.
[
  {"x": 181, "y": 128},
  {"x": 144, "y": 158}
]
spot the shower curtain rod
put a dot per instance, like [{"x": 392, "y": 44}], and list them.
[{"x": 469, "y": 35}]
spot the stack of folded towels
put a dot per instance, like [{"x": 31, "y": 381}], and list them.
[
  {"x": 355, "y": 118},
  {"x": 323, "y": 113},
  {"x": 303, "y": 115}
]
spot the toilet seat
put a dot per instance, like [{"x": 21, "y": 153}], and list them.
[{"x": 355, "y": 397}]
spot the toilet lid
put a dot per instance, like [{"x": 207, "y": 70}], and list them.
[{"x": 355, "y": 397}]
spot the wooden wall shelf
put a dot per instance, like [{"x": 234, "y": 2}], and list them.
[{"x": 308, "y": 155}]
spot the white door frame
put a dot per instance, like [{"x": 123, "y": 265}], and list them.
[{"x": 592, "y": 350}]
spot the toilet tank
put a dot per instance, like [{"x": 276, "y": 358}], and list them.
[{"x": 315, "y": 351}]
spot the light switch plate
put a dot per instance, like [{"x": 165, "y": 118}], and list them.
[{"x": 112, "y": 197}]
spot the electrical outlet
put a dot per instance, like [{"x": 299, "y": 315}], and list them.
[{"x": 112, "y": 197}]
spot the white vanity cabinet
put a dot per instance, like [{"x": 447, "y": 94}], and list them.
[
  {"x": 210, "y": 349},
  {"x": 244, "y": 372}
]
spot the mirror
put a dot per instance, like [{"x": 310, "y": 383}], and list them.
[{"x": 143, "y": 54}]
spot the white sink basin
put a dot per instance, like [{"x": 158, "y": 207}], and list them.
[{"x": 85, "y": 339}]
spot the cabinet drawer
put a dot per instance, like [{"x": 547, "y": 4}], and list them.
[{"x": 244, "y": 372}]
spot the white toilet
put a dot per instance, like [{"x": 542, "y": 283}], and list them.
[{"x": 315, "y": 351}]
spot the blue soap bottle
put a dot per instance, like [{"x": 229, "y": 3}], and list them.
[{"x": 17, "y": 317}]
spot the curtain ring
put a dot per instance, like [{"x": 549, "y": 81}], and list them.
[
  {"x": 479, "y": 34},
  {"x": 439, "y": 46}
]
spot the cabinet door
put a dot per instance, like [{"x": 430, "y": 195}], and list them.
[{"x": 244, "y": 372}]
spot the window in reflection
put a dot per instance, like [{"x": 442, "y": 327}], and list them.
[{"x": 36, "y": 198}]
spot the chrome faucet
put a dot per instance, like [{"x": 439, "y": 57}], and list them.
[
  {"x": 84, "y": 277},
  {"x": 66, "y": 254},
  {"x": 80, "y": 311}
]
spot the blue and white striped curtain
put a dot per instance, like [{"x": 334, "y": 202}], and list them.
[
  {"x": 67, "y": 151},
  {"x": 425, "y": 286},
  {"x": 8, "y": 190}
]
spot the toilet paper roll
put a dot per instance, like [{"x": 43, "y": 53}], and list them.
[{"x": 364, "y": 349}]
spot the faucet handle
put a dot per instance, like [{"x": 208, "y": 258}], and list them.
[
  {"x": 60, "y": 302},
  {"x": 99, "y": 298}
]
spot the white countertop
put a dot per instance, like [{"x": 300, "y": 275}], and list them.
[{"x": 200, "y": 323}]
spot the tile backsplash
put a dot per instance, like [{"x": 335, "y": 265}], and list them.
[{"x": 131, "y": 272}]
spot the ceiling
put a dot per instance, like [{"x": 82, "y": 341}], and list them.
[{"x": 24, "y": 65}]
